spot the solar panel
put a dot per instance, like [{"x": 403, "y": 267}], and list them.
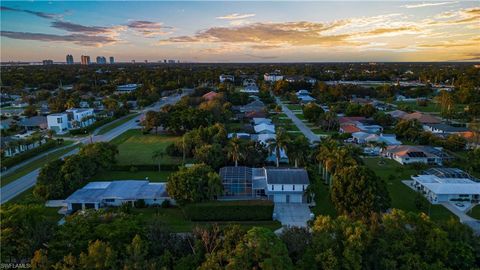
[{"x": 416, "y": 154}]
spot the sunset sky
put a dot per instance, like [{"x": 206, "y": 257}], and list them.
[{"x": 247, "y": 31}]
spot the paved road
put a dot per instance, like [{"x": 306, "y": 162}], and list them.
[
  {"x": 25, "y": 182},
  {"x": 301, "y": 125}
]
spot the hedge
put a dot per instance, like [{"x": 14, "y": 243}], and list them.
[
  {"x": 230, "y": 211},
  {"x": 10, "y": 161},
  {"x": 145, "y": 167},
  {"x": 97, "y": 124}
]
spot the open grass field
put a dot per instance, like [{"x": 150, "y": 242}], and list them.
[
  {"x": 176, "y": 220},
  {"x": 475, "y": 212},
  {"x": 35, "y": 164},
  {"x": 115, "y": 124},
  {"x": 137, "y": 148},
  {"x": 153, "y": 176},
  {"x": 402, "y": 196}
]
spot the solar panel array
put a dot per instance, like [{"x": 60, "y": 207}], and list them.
[
  {"x": 449, "y": 173},
  {"x": 416, "y": 154}
]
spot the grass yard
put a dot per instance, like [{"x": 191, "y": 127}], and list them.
[
  {"x": 153, "y": 176},
  {"x": 116, "y": 123},
  {"x": 475, "y": 212},
  {"x": 294, "y": 107},
  {"x": 35, "y": 165},
  {"x": 431, "y": 106},
  {"x": 176, "y": 220},
  {"x": 402, "y": 196},
  {"x": 300, "y": 116},
  {"x": 136, "y": 148}
]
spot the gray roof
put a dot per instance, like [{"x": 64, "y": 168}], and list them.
[
  {"x": 448, "y": 128},
  {"x": 95, "y": 192},
  {"x": 448, "y": 173},
  {"x": 34, "y": 121},
  {"x": 287, "y": 176}
]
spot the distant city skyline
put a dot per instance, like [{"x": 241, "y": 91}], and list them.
[{"x": 242, "y": 31}]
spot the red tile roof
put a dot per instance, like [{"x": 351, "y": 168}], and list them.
[
  {"x": 349, "y": 129},
  {"x": 210, "y": 95}
]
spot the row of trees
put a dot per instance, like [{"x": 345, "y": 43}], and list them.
[
  {"x": 398, "y": 240},
  {"x": 59, "y": 178}
]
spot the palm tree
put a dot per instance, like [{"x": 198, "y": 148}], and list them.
[
  {"x": 323, "y": 154},
  {"x": 298, "y": 149},
  {"x": 282, "y": 140},
  {"x": 234, "y": 149},
  {"x": 158, "y": 156}
]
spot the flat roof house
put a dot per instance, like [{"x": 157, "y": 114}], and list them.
[
  {"x": 281, "y": 185},
  {"x": 127, "y": 88},
  {"x": 264, "y": 129},
  {"x": 97, "y": 195},
  {"x": 447, "y": 187},
  {"x": 58, "y": 122}
]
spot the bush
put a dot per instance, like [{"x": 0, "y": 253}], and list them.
[
  {"x": 166, "y": 204},
  {"x": 8, "y": 162},
  {"x": 230, "y": 211},
  {"x": 140, "y": 203}
]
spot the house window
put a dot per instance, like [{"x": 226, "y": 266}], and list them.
[
  {"x": 293, "y": 187},
  {"x": 282, "y": 187},
  {"x": 273, "y": 187},
  {"x": 109, "y": 200},
  {"x": 303, "y": 187},
  {"x": 59, "y": 120}
]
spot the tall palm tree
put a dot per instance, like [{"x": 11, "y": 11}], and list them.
[
  {"x": 234, "y": 150},
  {"x": 298, "y": 149},
  {"x": 158, "y": 156},
  {"x": 282, "y": 140},
  {"x": 323, "y": 154}
]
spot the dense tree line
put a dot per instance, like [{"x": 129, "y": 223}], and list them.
[{"x": 59, "y": 178}]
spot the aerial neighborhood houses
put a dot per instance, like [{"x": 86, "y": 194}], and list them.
[
  {"x": 74, "y": 118},
  {"x": 273, "y": 77},
  {"x": 127, "y": 88},
  {"x": 225, "y": 78}
]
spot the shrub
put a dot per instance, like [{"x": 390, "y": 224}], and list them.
[
  {"x": 140, "y": 203},
  {"x": 8, "y": 162},
  {"x": 80, "y": 131},
  {"x": 166, "y": 204},
  {"x": 230, "y": 211}
]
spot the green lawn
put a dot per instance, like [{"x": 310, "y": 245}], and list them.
[
  {"x": 35, "y": 165},
  {"x": 137, "y": 148},
  {"x": 300, "y": 116},
  {"x": 176, "y": 220},
  {"x": 475, "y": 212},
  {"x": 153, "y": 176},
  {"x": 294, "y": 107},
  {"x": 402, "y": 196},
  {"x": 431, "y": 106},
  {"x": 115, "y": 124}
]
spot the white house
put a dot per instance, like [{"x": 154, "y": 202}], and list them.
[
  {"x": 250, "y": 89},
  {"x": 58, "y": 122},
  {"x": 261, "y": 120},
  {"x": 281, "y": 185},
  {"x": 264, "y": 129},
  {"x": 363, "y": 137},
  {"x": 127, "y": 88},
  {"x": 80, "y": 117},
  {"x": 407, "y": 154},
  {"x": 272, "y": 77},
  {"x": 97, "y": 195},
  {"x": 438, "y": 189},
  {"x": 224, "y": 78}
]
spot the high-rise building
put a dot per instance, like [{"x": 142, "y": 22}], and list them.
[
  {"x": 101, "y": 60},
  {"x": 85, "y": 60},
  {"x": 47, "y": 62},
  {"x": 112, "y": 60},
  {"x": 69, "y": 59}
]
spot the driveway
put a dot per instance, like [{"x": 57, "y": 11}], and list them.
[
  {"x": 292, "y": 214},
  {"x": 299, "y": 123},
  {"x": 464, "y": 218}
]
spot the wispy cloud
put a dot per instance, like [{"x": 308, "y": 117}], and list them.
[
  {"x": 434, "y": 4},
  {"x": 36, "y": 13},
  {"x": 236, "y": 16},
  {"x": 80, "y": 39},
  {"x": 72, "y": 27},
  {"x": 149, "y": 28}
]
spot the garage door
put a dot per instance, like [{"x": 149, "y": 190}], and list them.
[
  {"x": 295, "y": 198},
  {"x": 279, "y": 198}
]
